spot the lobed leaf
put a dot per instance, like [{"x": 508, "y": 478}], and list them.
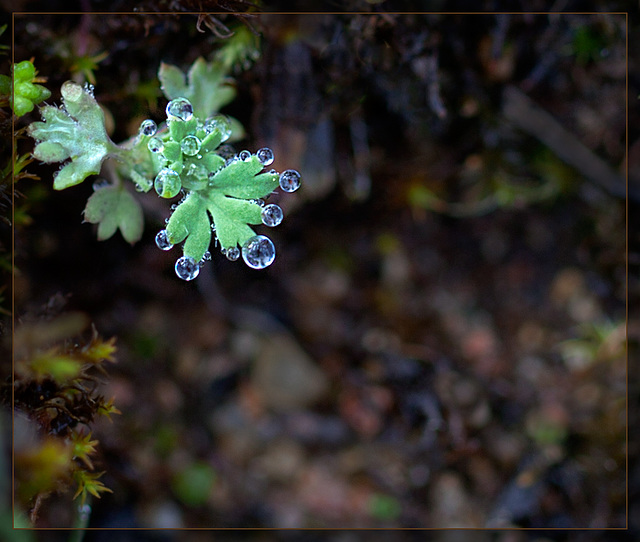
[
  {"x": 206, "y": 86},
  {"x": 240, "y": 180},
  {"x": 115, "y": 207},
  {"x": 76, "y": 131}
]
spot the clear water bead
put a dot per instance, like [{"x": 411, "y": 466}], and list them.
[
  {"x": 148, "y": 128},
  {"x": 244, "y": 155},
  {"x": 272, "y": 215},
  {"x": 265, "y": 156},
  {"x": 179, "y": 109},
  {"x": 163, "y": 241},
  {"x": 232, "y": 253},
  {"x": 206, "y": 256},
  {"x": 187, "y": 268},
  {"x": 220, "y": 123},
  {"x": 190, "y": 145},
  {"x": 167, "y": 183},
  {"x": 258, "y": 252},
  {"x": 155, "y": 145},
  {"x": 289, "y": 180}
]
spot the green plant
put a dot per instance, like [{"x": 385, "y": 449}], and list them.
[
  {"x": 221, "y": 192},
  {"x": 56, "y": 390},
  {"x": 25, "y": 93}
]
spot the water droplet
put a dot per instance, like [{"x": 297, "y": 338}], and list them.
[
  {"x": 190, "y": 145},
  {"x": 265, "y": 156},
  {"x": 220, "y": 123},
  {"x": 260, "y": 202},
  {"x": 289, "y": 180},
  {"x": 89, "y": 88},
  {"x": 273, "y": 172},
  {"x": 207, "y": 256},
  {"x": 174, "y": 207},
  {"x": 272, "y": 215},
  {"x": 155, "y": 145},
  {"x": 100, "y": 183},
  {"x": 167, "y": 183},
  {"x": 162, "y": 240},
  {"x": 179, "y": 109},
  {"x": 148, "y": 128},
  {"x": 258, "y": 252},
  {"x": 187, "y": 268},
  {"x": 244, "y": 155},
  {"x": 232, "y": 253}
]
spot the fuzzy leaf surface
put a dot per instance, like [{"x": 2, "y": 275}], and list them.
[
  {"x": 229, "y": 199},
  {"x": 76, "y": 131},
  {"x": 115, "y": 207}
]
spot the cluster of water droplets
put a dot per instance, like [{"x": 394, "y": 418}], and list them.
[{"x": 258, "y": 251}]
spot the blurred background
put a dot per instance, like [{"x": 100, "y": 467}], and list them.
[{"x": 441, "y": 340}]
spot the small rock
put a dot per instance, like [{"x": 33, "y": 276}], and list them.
[{"x": 285, "y": 376}]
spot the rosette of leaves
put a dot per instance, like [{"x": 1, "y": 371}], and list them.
[{"x": 181, "y": 156}]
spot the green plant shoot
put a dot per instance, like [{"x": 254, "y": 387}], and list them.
[{"x": 221, "y": 193}]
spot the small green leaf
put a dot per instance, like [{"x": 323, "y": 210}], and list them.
[
  {"x": 239, "y": 180},
  {"x": 231, "y": 217},
  {"x": 208, "y": 89},
  {"x": 179, "y": 224},
  {"x": 199, "y": 237},
  {"x": 114, "y": 207},
  {"x": 77, "y": 131},
  {"x": 172, "y": 81}
]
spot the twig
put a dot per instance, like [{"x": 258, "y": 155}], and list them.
[{"x": 532, "y": 119}]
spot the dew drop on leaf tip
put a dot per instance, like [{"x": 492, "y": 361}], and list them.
[
  {"x": 289, "y": 180},
  {"x": 220, "y": 123},
  {"x": 190, "y": 145},
  {"x": 244, "y": 155},
  {"x": 187, "y": 268},
  {"x": 167, "y": 183},
  {"x": 155, "y": 145},
  {"x": 148, "y": 128},
  {"x": 265, "y": 155},
  {"x": 162, "y": 241},
  {"x": 272, "y": 215},
  {"x": 258, "y": 252},
  {"x": 232, "y": 253},
  {"x": 179, "y": 109}
]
